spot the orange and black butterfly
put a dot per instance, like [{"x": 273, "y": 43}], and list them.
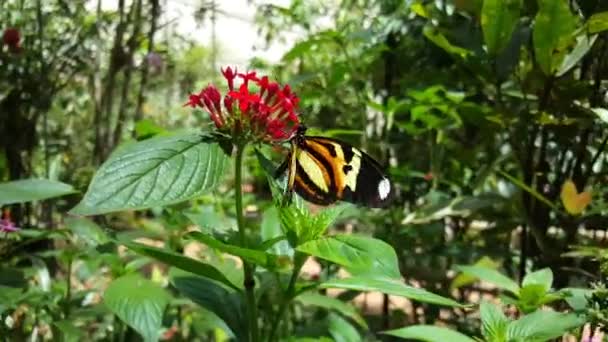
[{"x": 324, "y": 170}]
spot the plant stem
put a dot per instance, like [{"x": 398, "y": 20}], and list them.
[
  {"x": 68, "y": 290},
  {"x": 249, "y": 281},
  {"x": 288, "y": 296}
]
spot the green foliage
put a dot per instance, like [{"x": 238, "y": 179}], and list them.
[
  {"x": 29, "y": 190},
  {"x": 498, "y": 21},
  {"x": 158, "y": 171},
  {"x": 138, "y": 302}
]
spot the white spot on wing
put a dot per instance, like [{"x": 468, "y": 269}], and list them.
[{"x": 384, "y": 188}]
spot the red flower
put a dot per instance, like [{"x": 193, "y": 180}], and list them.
[
  {"x": 11, "y": 37},
  {"x": 258, "y": 107}
]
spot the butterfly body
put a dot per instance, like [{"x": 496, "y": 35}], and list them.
[{"x": 324, "y": 170}]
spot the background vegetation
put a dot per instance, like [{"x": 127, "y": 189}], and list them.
[{"x": 490, "y": 116}]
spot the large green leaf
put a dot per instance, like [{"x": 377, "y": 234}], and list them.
[
  {"x": 331, "y": 303},
  {"x": 389, "y": 286},
  {"x": 360, "y": 255},
  {"x": 498, "y": 20},
  {"x": 226, "y": 304},
  {"x": 182, "y": 262},
  {"x": 155, "y": 172},
  {"x": 260, "y": 258},
  {"x": 542, "y": 325},
  {"x": 551, "y": 40},
  {"x": 28, "y": 190},
  {"x": 138, "y": 302},
  {"x": 491, "y": 276},
  {"x": 493, "y": 322},
  {"x": 429, "y": 333},
  {"x": 598, "y": 22}
]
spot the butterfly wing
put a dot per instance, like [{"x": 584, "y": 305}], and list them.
[{"x": 326, "y": 170}]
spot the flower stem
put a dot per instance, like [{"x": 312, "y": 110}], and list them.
[
  {"x": 288, "y": 295},
  {"x": 248, "y": 269}
]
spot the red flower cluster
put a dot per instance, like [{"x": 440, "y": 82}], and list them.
[
  {"x": 268, "y": 112},
  {"x": 12, "y": 38}
]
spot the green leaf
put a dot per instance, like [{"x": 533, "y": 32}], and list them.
[
  {"x": 260, "y": 258},
  {"x": 159, "y": 171},
  {"x": 432, "y": 33},
  {"x": 531, "y": 297},
  {"x": 69, "y": 332},
  {"x": 226, "y": 304},
  {"x": 577, "y": 298},
  {"x": 491, "y": 276},
  {"x": 498, "y": 20},
  {"x": 493, "y": 322},
  {"x": 138, "y": 302},
  {"x": 598, "y": 22},
  {"x": 182, "y": 262},
  {"x": 464, "y": 279},
  {"x": 584, "y": 43},
  {"x": 331, "y": 303},
  {"x": 551, "y": 41},
  {"x": 543, "y": 277},
  {"x": 271, "y": 231},
  {"x": 542, "y": 325},
  {"x": 146, "y": 128},
  {"x": 360, "y": 255},
  {"x": 28, "y": 190},
  {"x": 341, "y": 330},
  {"x": 429, "y": 333},
  {"x": 87, "y": 230},
  {"x": 389, "y": 286}
]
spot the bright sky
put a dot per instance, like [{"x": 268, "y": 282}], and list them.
[{"x": 236, "y": 34}]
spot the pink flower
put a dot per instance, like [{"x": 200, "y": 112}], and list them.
[{"x": 6, "y": 224}]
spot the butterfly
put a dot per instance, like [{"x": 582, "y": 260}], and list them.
[{"x": 323, "y": 170}]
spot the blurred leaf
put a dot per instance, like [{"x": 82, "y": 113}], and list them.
[
  {"x": 224, "y": 303},
  {"x": 464, "y": 279},
  {"x": 543, "y": 277},
  {"x": 493, "y": 322},
  {"x": 498, "y": 20},
  {"x": 584, "y": 43},
  {"x": 434, "y": 35},
  {"x": 341, "y": 330},
  {"x": 260, "y": 258},
  {"x": 146, "y": 128},
  {"x": 542, "y": 325},
  {"x": 577, "y": 298},
  {"x": 598, "y": 22},
  {"x": 331, "y": 303},
  {"x": 574, "y": 202},
  {"x": 154, "y": 172},
  {"x": 28, "y": 190},
  {"x": 204, "y": 321},
  {"x": 87, "y": 230},
  {"x": 389, "y": 286},
  {"x": 602, "y": 113},
  {"x": 429, "y": 333},
  {"x": 182, "y": 262},
  {"x": 360, "y": 255},
  {"x": 69, "y": 332},
  {"x": 271, "y": 229},
  {"x": 531, "y": 297},
  {"x": 491, "y": 276},
  {"x": 12, "y": 277},
  {"x": 418, "y": 8},
  {"x": 138, "y": 302},
  {"x": 551, "y": 41}
]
